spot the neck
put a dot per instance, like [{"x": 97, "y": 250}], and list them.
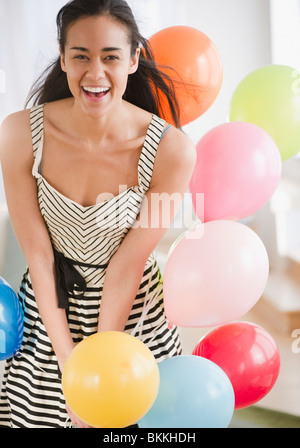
[{"x": 95, "y": 127}]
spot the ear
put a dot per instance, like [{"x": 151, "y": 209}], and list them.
[
  {"x": 134, "y": 62},
  {"x": 62, "y": 60}
]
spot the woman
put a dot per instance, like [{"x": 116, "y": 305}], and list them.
[{"x": 80, "y": 168}]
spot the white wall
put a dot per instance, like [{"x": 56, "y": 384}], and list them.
[
  {"x": 285, "y": 36},
  {"x": 27, "y": 44},
  {"x": 285, "y": 50}
]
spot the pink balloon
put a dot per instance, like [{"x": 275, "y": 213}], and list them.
[
  {"x": 238, "y": 169},
  {"x": 214, "y": 274}
]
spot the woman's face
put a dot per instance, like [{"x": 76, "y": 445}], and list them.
[{"x": 97, "y": 60}]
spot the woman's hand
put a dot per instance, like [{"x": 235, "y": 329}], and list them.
[
  {"x": 75, "y": 420},
  {"x": 73, "y": 417}
]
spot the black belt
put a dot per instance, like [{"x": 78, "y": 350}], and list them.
[{"x": 69, "y": 280}]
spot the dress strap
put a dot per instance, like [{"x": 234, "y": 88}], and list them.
[
  {"x": 166, "y": 130},
  {"x": 37, "y": 133},
  {"x": 147, "y": 157}
]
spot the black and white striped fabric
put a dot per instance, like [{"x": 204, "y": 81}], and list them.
[{"x": 31, "y": 393}]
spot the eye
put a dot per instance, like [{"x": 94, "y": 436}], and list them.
[
  {"x": 111, "y": 57},
  {"x": 81, "y": 57}
]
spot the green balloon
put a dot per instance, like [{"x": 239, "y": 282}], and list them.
[{"x": 270, "y": 98}]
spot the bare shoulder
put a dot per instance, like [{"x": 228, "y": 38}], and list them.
[
  {"x": 15, "y": 136},
  {"x": 20, "y": 119},
  {"x": 177, "y": 150},
  {"x": 175, "y": 161}
]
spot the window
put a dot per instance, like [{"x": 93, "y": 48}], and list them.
[{"x": 285, "y": 35}]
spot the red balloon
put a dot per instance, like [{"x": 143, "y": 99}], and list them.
[
  {"x": 248, "y": 355},
  {"x": 197, "y": 74}
]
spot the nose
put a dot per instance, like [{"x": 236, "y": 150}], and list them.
[{"x": 96, "y": 69}]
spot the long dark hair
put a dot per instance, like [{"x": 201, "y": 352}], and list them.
[{"x": 143, "y": 86}]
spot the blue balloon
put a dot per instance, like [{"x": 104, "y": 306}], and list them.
[
  {"x": 194, "y": 393},
  {"x": 11, "y": 321}
]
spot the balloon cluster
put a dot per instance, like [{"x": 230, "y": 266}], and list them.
[{"x": 216, "y": 272}]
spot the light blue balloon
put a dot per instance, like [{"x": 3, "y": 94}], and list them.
[
  {"x": 194, "y": 393},
  {"x": 11, "y": 321}
]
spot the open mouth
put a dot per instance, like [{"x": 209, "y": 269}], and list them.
[{"x": 95, "y": 92}]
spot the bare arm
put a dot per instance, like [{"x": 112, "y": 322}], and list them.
[
  {"x": 21, "y": 195},
  {"x": 173, "y": 168}
]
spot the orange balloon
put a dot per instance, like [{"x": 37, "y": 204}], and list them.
[{"x": 198, "y": 69}]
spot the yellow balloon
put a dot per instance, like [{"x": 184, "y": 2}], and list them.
[{"x": 110, "y": 380}]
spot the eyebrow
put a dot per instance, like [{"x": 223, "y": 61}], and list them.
[{"x": 106, "y": 49}]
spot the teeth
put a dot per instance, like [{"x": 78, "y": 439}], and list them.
[{"x": 96, "y": 89}]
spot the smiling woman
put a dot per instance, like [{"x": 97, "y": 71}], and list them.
[
  {"x": 93, "y": 128},
  {"x": 97, "y": 58},
  {"x": 143, "y": 85}
]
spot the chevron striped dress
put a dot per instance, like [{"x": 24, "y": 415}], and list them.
[{"x": 85, "y": 238}]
